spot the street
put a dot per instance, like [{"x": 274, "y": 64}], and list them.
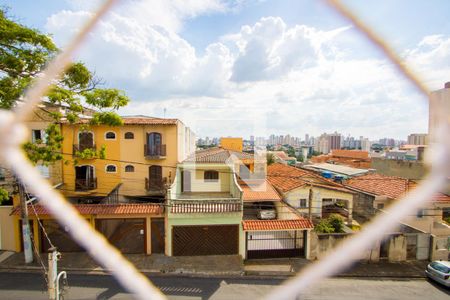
[{"x": 31, "y": 286}]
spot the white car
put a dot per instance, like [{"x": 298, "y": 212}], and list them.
[{"x": 439, "y": 271}]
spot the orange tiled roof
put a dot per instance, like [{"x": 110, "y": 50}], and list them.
[
  {"x": 286, "y": 178},
  {"x": 258, "y": 191},
  {"x": 265, "y": 225},
  {"x": 141, "y": 120},
  {"x": 216, "y": 155},
  {"x": 389, "y": 186},
  {"x": 101, "y": 209},
  {"x": 148, "y": 121}
]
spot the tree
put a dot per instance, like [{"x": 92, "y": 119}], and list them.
[
  {"x": 324, "y": 226},
  {"x": 270, "y": 158},
  {"x": 4, "y": 196},
  {"x": 333, "y": 224},
  {"x": 24, "y": 52},
  {"x": 337, "y": 222}
]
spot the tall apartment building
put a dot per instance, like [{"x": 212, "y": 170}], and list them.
[
  {"x": 334, "y": 141},
  {"x": 418, "y": 139},
  {"x": 439, "y": 110}
]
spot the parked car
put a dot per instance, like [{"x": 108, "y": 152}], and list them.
[
  {"x": 266, "y": 211},
  {"x": 439, "y": 271}
]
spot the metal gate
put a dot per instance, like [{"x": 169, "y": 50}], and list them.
[
  {"x": 205, "y": 240},
  {"x": 127, "y": 235},
  {"x": 274, "y": 244}
]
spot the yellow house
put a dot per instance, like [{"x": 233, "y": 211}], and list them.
[
  {"x": 231, "y": 143},
  {"x": 120, "y": 194},
  {"x": 140, "y": 157}
]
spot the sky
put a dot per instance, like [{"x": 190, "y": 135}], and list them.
[{"x": 257, "y": 67}]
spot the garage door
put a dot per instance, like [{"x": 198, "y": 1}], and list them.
[
  {"x": 127, "y": 235},
  {"x": 205, "y": 240}
]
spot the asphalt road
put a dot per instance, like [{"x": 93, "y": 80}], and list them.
[{"x": 31, "y": 286}]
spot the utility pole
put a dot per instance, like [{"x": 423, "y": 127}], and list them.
[
  {"x": 310, "y": 202},
  {"x": 25, "y": 226},
  {"x": 53, "y": 276}
]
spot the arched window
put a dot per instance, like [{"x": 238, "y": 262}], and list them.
[
  {"x": 211, "y": 175},
  {"x": 129, "y": 135},
  {"x": 110, "y": 135},
  {"x": 129, "y": 168},
  {"x": 111, "y": 168}
]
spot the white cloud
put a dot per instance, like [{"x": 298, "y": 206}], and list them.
[
  {"x": 431, "y": 59},
  {"x": 268, "y": 77}
]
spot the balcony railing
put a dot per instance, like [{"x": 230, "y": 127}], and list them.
[
  {"x": 154, "y": 151},
  {"x": 85, "y": 184},
  {"x": 155, "y": 185},
  {"x": 82, "y": 147}
]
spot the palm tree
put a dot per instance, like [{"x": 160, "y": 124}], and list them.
[{"x": 270, "y": 158}]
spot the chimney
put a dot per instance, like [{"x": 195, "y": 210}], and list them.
[{"x": 447, "y": 85}]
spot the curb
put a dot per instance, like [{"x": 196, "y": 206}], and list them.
[{"x": 231, "y": 274}]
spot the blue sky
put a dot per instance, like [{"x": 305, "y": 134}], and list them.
[{"x": 259, "y": 67}]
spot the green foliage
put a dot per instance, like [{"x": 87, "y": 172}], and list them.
[
  {"x": 90, "y": 153},
  {"x": 333, "y": 224},
  {"x": 106, "y": 118},
  {"x": 270, "y": 159},
  {"x": 24, "y": 53},
  {"x": 324, "y": 226},
  {"x": 4, "y": 196},
  {"x": 337, "y": 222},
  {"x": 47, "y": 151},
  {"x": 447, "y": 219},
  {"x": 106, "y": 98}
]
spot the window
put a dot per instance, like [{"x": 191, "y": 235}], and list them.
[
  {"x": 129, "y": 135},
  {"x": 111, "y": 168},
  {"x": 380, "y": 205},
  {"x": 211, "y": 175},
  {"x": 420, "y": 213},
  {"x": 129, "y": 168},
  {"x": 44, "y": 170},
  {"x": 2, "y": 174},
  {"x": 110, "y": 135},
  {"x": 36, "y": 136},
  {"x": 303, "y": 203}
]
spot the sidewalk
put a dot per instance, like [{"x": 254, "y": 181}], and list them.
[
  {"x": 382, "y": 269},
  {"x": 216, "y": 266}
]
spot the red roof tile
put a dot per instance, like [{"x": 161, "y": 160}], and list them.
[
  {"x": 266, "y": 225},
  {"x": 258, "y": 191},
  {"x": 389, "y": 186},
  {"x": 286, "y": 178},
  {"x": 134, "y": 121},
  {"x": 205, "y": 207},
  {"x": 101, "y": 209}
]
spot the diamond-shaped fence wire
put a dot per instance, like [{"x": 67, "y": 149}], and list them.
[{"x": 13, "y": 134}]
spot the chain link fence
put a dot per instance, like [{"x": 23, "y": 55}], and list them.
[{"x": 13, "y": 134}]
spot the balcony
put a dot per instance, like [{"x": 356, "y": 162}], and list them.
[
  {"x": 156, "y": 185},
  {"x": 82, "y": 147},
  {"x": 85, "y": 184},
  {"x": 154, "y": 151}
]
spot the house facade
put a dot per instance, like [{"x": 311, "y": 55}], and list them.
[
  {"x": 311, "y": 194},
  {"x": 204, "y": 207},
  {"x": 140, "y": 157}
]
